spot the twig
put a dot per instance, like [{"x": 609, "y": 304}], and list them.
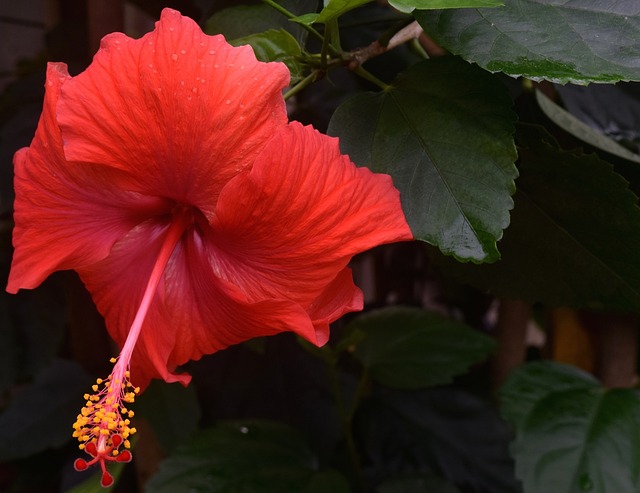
[{"x": 361, "y": 55}]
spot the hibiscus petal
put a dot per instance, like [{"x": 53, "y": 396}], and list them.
[
  {"x": 286, "y": 228},
  {"x": 193, "y": 312},
  {"x": 180, "y": 110},
  {"x": 66, "y": 214}
]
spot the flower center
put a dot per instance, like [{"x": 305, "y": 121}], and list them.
[{"x": 103, "y": 425}]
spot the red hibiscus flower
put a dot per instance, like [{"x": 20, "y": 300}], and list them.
[{"x": 168, "y": 176}]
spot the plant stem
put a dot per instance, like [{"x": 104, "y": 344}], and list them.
[
  {"x": 291, "y": 15},
  {"x": 365, "y": 74},
  {"x": 301, "y": 85}
]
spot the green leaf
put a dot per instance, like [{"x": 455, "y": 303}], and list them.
[
  {"x": 172, "y": 410},
  {"x": 561, "y": 41},
  {"x": 574, "y": 237},
  {"x": 335, "y": 8},
  {"x": 582, "y": 131},
  {"x": 443, "y": 131},
  {"x": 417, "y": 484},
  {"x": 574, "y": 435},
  {"x": 538, "y": 380},
  {"x": 306, "y": 19},
  {"x": 409, "y": 5},
  {"x": 41, "y": 415},
  {"x": 276, "y": 46},
  {"x": 244, "y": 20},
  {"x": 409, "y": 348},
  {"x": 445, "y": 431},
  {"x": 245, "y": 457}
]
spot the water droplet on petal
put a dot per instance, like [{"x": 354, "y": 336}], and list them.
[
  {"x": 244, "y": 429},
  {"x": 174, "y": 57},
  {"x": 212, "y": 52},
  {"x": 228, "y": 101},
  {"x": 183, "y": 52},
  {"x": 194, "y": 89}
]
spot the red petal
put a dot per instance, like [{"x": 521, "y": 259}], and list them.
[
  {"x": 66, "y": 214},
  {"x": 194, "y": 312},
  {"x": 290, "y": 225},
  {"x": 338, "y": 298},
  {"x": 181, "y": 111}
]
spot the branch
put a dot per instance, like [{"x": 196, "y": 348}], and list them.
[{"x": 361, "y": 55}]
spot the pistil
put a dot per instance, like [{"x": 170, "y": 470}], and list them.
[{"x": 103, "y": 425}]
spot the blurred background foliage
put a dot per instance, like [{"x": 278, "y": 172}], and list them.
[{"x": 496, "y": 354}]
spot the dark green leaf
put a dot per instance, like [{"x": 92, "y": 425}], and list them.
[
  {"x": 244, "y": 457},
  {"x": 523, "y": 391},
  {"x": 244, "y": 20},
  {"x": 32, "y": 329},
  {"x": 582, "y": 131},
  {"x": 443, "y": 131},
  {"x": 447, "y": 431},
  {"x": 42, "y": 414},
  {"x": 417, "y": 484},
  {"x": 409, "y": 348},
  {"x": 562, "y": 41},
  {"x": 573, "y": 436},
  {"x": 410, "y": 5},
  {"x": 171, "y": 409},
  {"x": 276, "y": 46},
  {"x": 335, "y": 8},
  {"x": 574, "y": 237}
]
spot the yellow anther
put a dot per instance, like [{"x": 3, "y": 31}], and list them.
[
  {"x": 115, "y": 452},
  {"x": 112, "y": 360},
  {"x": 131, "y": 414},
  {"x": 137, "y": 390},
  {"x": 132, "y": 431},
  {"x": 81, "y": 446},
  {"x": 127, "y": 444},
  {"x": 94, "y": 387},
  {"x": 99, "y": 381},
  {"x": 104, "y": 432}
]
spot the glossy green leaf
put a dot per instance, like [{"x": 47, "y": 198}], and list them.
[
  {"x": 574, "y": 237},
  {"x": 409, "y": 5},
  {"x": 572, "y": 435},
  {"x": 562, "y": 41},
  {"x": 245, "y": 457},
  {"x": 41, "y": 415},
  {"x": 445, "y": 431},
  {"x": 276, "y": 46},
  {"x": 172, "y": 410},
  {"x": 409, "y": 348},
  {"x": 443, "y": 131}
]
